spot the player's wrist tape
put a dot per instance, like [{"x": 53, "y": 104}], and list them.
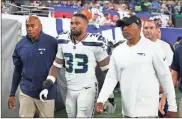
[
  {"x": 57, "y": 65},
  {"x": 49, "y": 82},
  {"x": 52, "y": 78},
  {"x": 104, "y": 67}
]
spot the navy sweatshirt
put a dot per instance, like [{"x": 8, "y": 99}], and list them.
[
  {"x": 32, "y": 60},
  {"x": 177, "y": 63}
]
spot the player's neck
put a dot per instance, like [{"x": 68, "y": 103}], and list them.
[{"x": 82, "y": 36}]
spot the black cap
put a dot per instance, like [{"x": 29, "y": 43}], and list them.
[{"x": 129, "y": 20}]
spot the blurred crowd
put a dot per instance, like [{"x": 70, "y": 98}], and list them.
[
  {"x": 166, "y": 7},
  {"x": 107, "y": 12}
]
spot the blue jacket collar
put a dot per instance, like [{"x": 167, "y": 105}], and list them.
[{"x": 33, "y": 41}]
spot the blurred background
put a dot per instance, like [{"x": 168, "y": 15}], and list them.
[{"x": 168, "y": 12}]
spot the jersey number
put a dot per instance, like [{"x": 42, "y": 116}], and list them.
[{"x": 70, "y": 63}]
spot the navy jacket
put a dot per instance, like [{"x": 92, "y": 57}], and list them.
[
  {"x": 177, "y": 63},
  {"x": 32, "y": 60}
]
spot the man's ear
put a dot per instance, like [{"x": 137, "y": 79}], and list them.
[
  {"x": 140, "y": 27},
  {"x": 157, "y": 30},
  {"x": 86, "y": 26}
]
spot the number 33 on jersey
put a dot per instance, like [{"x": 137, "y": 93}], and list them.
[{"x": 80, "y": 58}]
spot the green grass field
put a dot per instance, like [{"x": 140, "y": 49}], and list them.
[{"x": 116, "y": 114}]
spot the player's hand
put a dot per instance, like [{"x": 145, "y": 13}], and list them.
[
  {"x": 162, "y": 104},
  {"x": 11, "y": 102},
  {"x": 171, "y": 114},
  {"x": 99, "y": 107},
  {"x": 43, "y": 95}
]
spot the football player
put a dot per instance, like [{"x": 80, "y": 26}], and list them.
[{"x": 80, "y": 52}]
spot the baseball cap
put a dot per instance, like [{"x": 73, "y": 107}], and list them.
[{"x": 127, "y": 20}]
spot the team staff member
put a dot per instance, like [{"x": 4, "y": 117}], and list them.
[
  {"x": 178, "y": 42},
  {"x": 33, "y": 57},
  {"x": 135, "y": 64},
  {"x": 177, "y": 72},
  {"x": 152, "y": 32},
  {"x": 159, "y": 37}
]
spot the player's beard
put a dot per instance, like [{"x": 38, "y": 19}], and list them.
[{"x": 76, "y": 33}]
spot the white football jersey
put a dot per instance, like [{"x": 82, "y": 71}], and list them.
[{"x": 81, "y": 58}]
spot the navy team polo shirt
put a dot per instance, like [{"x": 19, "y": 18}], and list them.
[
  {"x": 177, "y": 63},
  {"x": 32, "y": 60}
]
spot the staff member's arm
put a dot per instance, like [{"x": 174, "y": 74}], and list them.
[
  {"x": 165, "y": 79},
  {"x": 169, "y": 57},
  {"x": 163, "y": 98},
  {"x": 174, "y": 68},
  {"x": 108, "y": 86},
  {"x": 16, "y": 78},
  {"x": 51, "y": 78}
]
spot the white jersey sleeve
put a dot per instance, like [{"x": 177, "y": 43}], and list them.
[
  {"x": 101, "y": 50},
  {"x": 100, "y": 54},
  {"x": 165, "y": 79},
  {"x": 61, "y": 39}
]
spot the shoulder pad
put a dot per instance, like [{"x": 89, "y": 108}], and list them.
[
  {"x": 97, "y": 37},
  {"x": 65, "y": 32},
  {"x": 64, "y": 35}
]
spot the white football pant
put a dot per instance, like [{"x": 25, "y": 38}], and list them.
[{"x": 80, "y": 103}]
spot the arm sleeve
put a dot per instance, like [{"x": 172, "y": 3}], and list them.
[
  {"x": 109, "y": 82},
  {"x": 165, "y": 79},
  {"x": 17, "y": 72},
  {"x": 169, "y": 55},
  {"x": 100, "y": 53},
  {"x": 59, "y": 52},
  {"x": 175, "y": 63}
]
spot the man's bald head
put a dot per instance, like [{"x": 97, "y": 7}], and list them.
[
  {"x": 33, "y": 27},
  {"x": 34, "y": 19}
]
